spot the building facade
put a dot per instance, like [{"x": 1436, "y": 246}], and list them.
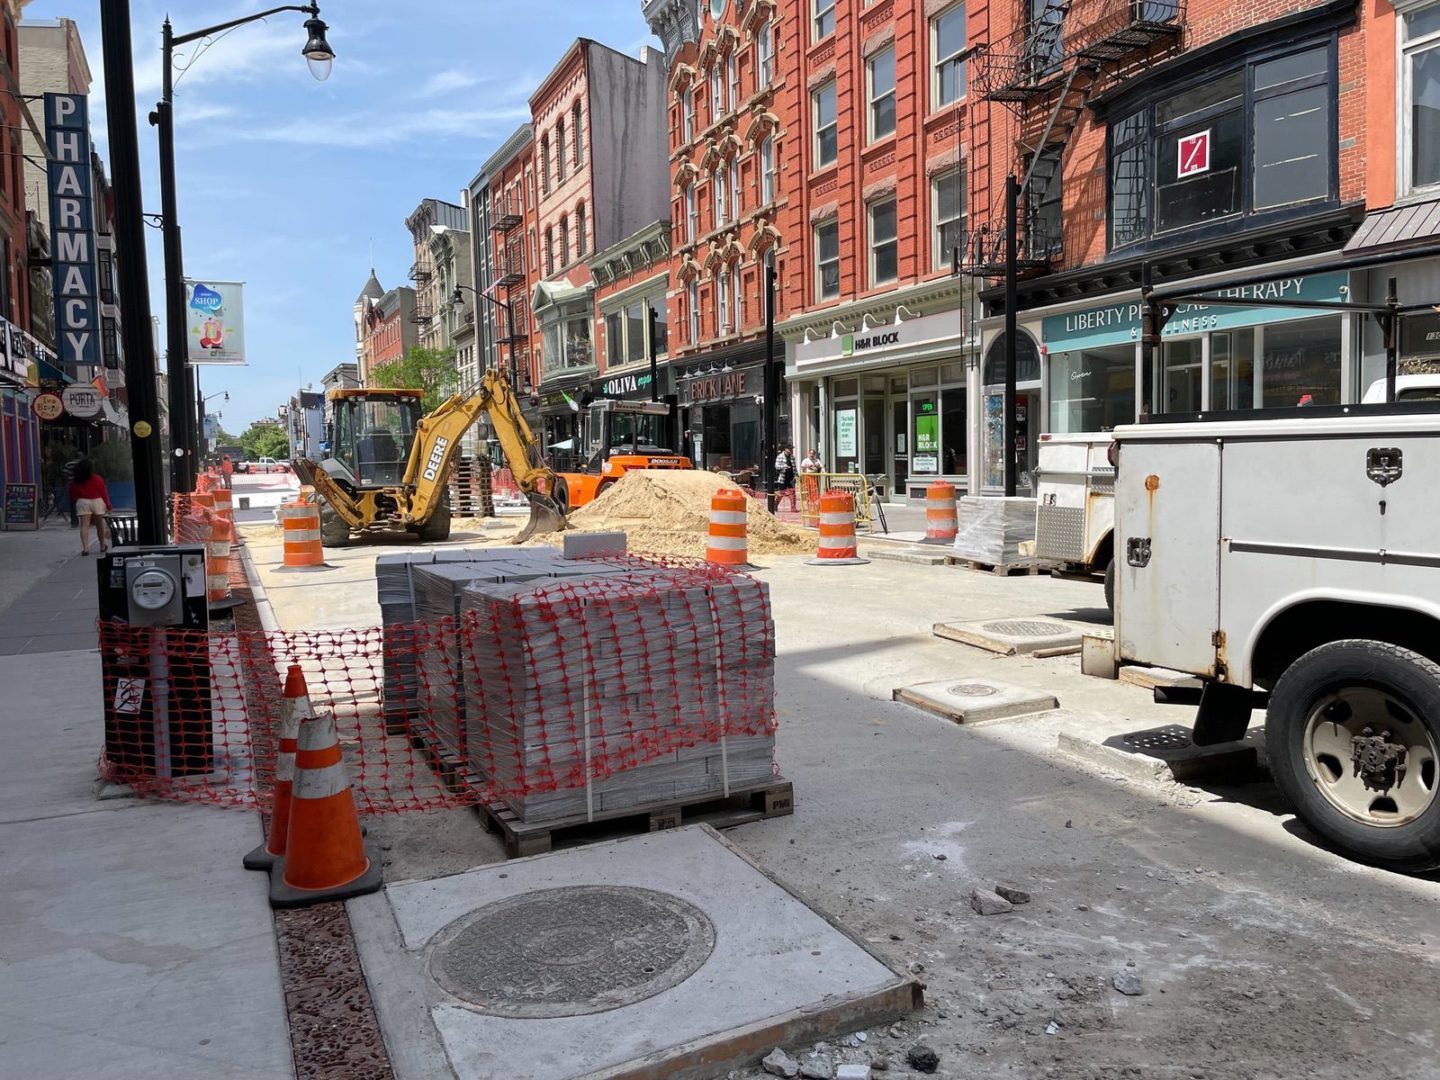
[
  {"x": 430, "y": 222},
  {"x": 504, "y": 238},
  {"x": 598, "y": 124},
  {"x": 391, "y": 330}
]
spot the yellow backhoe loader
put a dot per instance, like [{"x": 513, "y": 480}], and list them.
[{"x": 386, "y": 466}]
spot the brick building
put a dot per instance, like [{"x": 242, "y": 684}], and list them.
[
  {"x": 1206, "y": 145},
  {"x": 505, "y": 249},
  {"x": 387, "y": 327},
  {"x": 598, "y": 123}
]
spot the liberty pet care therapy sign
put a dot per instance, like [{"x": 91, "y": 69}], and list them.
[
  {"x": 215, "y": 321},
  {"x": 72, "y": 228}
]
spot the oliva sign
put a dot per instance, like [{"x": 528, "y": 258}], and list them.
[{"x": 72, "y": 228}]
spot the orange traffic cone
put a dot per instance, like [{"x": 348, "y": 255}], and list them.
[
  {"x": 325, "y": 853},
  {"x": 297, "y": 707}
]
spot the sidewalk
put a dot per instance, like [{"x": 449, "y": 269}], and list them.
[{"x": 136, "y": 943}]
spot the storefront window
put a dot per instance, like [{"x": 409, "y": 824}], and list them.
[
  {"x": 925, "y": 408},
  {"x": 1092, "y": 389},
  {"x": 847, "y": 435},
  {"x": 953, "y": 431},
  {"x": 635, "y": 332},
  {"x": 1302, "y": 359},
  {"x": 1184, "y": 366},
  {"x": 1232, "y": 370}
]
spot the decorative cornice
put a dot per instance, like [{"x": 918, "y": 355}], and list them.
[
  {"x": 926, "y": 298},
  {"x": 674, "y": 22}
]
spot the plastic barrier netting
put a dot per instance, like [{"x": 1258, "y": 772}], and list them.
[{"x": 633, "y": 682}]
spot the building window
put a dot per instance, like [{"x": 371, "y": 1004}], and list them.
[
  {"x": 660, "y": 325},
  {"x": 824, "y": 18},
  {"x": 579, "y": 136},
  {"x": 1420, "y": 87},
  {"x": 567, "y": 339},
  {"x": 732, "y": 78},
  {"x": 739, "y": 281},
  {"x": 716, "y": 109},
  {"x": 1254, "y": 140},
  {"x": 947, "y": 40},
  {"x": 827, "y": 260},
  {"x": 580, "y": 231},
  {"x": 881, "y": 76},
  {"x": 722, "y": 303},
  {"x": 564, "y": 241},
  {"x": 545, "y": 164},
  {"x": 883, "y": 249},
  {"x": 826, "y": 131},
  {"x": 764, "y": 56},
  {"x": 692, "y": 304},
  {"x": 687, "y": 114},
  {"x": 722, "y": 203},
  {"x": 692, "y": 215},
  {"x": 549, "y": 252},
  {"x": 947, "y": 200},
  {"x": 560, "y": 151},
  {"x": 734, "y": 189},
  {"x": 767, "y": 170}
]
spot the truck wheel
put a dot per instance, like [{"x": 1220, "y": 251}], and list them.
[
  {"x": 561, "y": 495},
  {"x": 333, "y": 530},
  {"x": 437, "y": 529},
  {"x": 1353, "y": 735},
  {"x": 1110, "y": 585}
]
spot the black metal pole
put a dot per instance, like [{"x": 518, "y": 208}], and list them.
[
  {"x": 176, "y": 348},
  {"x": 1012, "y": 199},
  {"x": 1392, "y": 342},
  {"x": 200, "y": 445},
  {"x": 772, "y": 390},
  {"x": 1151, "y": 324},
  {"x": 654, "y": 356},
  {"x": 134, "y": 284}
]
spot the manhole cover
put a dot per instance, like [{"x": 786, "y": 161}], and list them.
[
  {"x": 973, "y": 689},
  {"x": 1024, "y": 628},
  {"x": 571, "y": 951}
]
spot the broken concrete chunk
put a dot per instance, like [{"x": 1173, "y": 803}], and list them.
[
  {"x": 923, "y": 1059},
  {"x": 1015, "y": 896},
  {"x": 986, "y": 902},
  {"x": 1128, "y": 983},
  {"x": 852, "y": 1071},
  {"x": 817, "y": 1068},
  {"x": 779, "y": 1063},
  {"x": 880, "y": 1063}
]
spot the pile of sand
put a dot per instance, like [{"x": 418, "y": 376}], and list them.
[{"x": 667, "y": 512}]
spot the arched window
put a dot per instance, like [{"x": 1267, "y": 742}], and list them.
[
  {"x": 560, "y": 150},
  {"x": 545, "y": 164},
  {"x": 549, "y": 251},
  {"x": 564, "y": 241},
  {"x": 579, "y": 225},
  {"x": 579, "y": 127},
  {"x": 1027, "y": 360}
]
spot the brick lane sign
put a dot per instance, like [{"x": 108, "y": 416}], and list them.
[{"x": 72, "y": 228}]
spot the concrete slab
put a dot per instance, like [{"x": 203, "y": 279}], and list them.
[
  {"x": 1166, "y": 753},
  {"x": 1147, "y": 678},
  {"x": 136, "y": 943},
  {"x": 1020, "y": 636},
  {"x": 973, "y": 701},
  {"x": 759, "y": 967},
  {"x": 918, "y": 556}
]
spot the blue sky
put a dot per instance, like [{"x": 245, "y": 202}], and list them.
[{"x": 285, "y": 183}]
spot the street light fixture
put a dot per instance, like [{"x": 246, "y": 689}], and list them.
[
  {"x": 457, "y": 301},
  {"x": 185, "y": 430}
]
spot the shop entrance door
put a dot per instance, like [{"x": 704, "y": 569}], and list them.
[
  {"x": 1027, "y": 415},
  {"x": 873, "y": 463},
  {"x": 900, "y": 435}
]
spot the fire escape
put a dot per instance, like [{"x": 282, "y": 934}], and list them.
[
  {"x": 508, "y": 243},
  {"x": 421, "y": 273},
  {"x": 1043, "y": 76}
]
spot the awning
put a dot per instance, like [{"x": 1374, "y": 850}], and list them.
[{"x": 1397, "y": 228}]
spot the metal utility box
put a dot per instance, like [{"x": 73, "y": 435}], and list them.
[{"x": 156, "y": 675}]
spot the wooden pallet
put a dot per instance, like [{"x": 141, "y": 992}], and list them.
[
  {"x": 774, "y": 798},
  {"x": 449, "y": 768},
  {"x": 998, "y": 569}
]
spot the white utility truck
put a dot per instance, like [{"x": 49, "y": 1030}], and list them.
[
  {"x": 1292, "y": 562},
  {"x": 1075, "y": 507}
]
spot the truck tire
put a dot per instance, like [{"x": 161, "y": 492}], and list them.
[
  {"x": 1353, "y": 736},
  {"x": 561, "y": 495},
  {"x": 334, "y": 532},
  {"x": 437, "y": 529},
  {"x": 1110, "y": 585}
]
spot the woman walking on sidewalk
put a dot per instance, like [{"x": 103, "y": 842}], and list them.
[{"x": 92, "y": 500}]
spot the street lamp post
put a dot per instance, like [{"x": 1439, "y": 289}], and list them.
[
  {"x": 317, "y": 52},
  {"x": 458, "y": 301}
]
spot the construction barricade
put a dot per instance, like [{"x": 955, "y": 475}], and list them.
[
  {"x": 812, "y": 487},
  {"x": 837, "y": 546},
  {"x": 301, "y": 522},
  {"x": 940, "y": 521},
  {"x": 727, "y": 544}
]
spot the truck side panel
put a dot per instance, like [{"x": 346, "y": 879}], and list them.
[
  {"x": 1303, "y": 520},
  {"x": 1167, "y": 511}
]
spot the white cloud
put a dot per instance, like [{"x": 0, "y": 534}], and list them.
[
  {"x": 443, "y": 82},
  {"x": 370, "y": 130}
]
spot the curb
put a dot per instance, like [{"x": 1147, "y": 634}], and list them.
[{"x": 268, "y": 622}]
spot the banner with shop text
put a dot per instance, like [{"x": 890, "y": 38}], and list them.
[{"x": 215, "y": 321}]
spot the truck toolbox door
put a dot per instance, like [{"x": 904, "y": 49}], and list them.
[{"x": 1167, "y": 553}]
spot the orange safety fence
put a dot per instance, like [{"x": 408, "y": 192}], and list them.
[{"x": 643, "y": 681}]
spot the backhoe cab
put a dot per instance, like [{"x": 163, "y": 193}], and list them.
[{"x": 615, "y": 437}]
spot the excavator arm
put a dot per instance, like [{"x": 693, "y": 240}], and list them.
[{"x": 437, "y": 440}]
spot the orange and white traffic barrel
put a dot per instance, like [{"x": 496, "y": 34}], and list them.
[
  {"x": 940, "y": 521},
  {"x": 217, "y": 559},
  {"x": 301, "y": 522},
  {"x": 837, "y": 531},
  {"x": 727, "y": 544},
  {"x": 224, "y": 503},
  {"x": 325, "y": 856},
  {"x": 296, "y": 708}
]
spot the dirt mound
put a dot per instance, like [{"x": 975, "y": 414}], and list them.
[{"x": 668, "y": 513}]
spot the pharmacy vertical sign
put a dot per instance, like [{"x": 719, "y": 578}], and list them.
[{"x": 72, "y": 228}]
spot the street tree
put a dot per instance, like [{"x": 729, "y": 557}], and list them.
[
  {"x": 430, "y": 370},
  {"x": 265, "y": 440}
]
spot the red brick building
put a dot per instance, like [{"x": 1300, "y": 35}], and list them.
[{"x": 507, "y": 251}]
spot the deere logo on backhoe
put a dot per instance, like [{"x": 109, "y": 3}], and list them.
[{"x": 437, "y": 455}]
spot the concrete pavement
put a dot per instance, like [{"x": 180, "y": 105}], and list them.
[{"x": 134, "y": 944}]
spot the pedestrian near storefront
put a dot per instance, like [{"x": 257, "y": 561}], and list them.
[
  {"x": 785, "y": 472},
  {"x": 92, "y": 502}
]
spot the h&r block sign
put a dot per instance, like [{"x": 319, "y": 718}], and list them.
[{"x": 72, "y": 228}]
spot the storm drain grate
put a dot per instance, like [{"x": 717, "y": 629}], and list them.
[
  {"x": 1172, "y": 737},
  {"x": 571, "y": 951},
  {"x": 1025, "y": 628}
]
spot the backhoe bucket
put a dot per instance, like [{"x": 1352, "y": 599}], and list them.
[{"x": 545, "y": 517}]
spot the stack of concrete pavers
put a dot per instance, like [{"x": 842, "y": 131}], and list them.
[{"x": 606, "y": 692}]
